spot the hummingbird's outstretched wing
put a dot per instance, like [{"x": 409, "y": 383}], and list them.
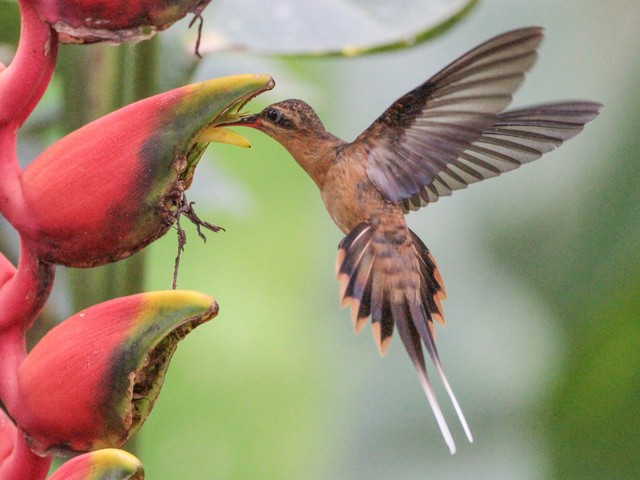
[
  {"x": 449, "y": 132},
  {"x": 387, "y": 274},
  {"x": 518, "y": 137},
  {"x": 428, "y": 128}
]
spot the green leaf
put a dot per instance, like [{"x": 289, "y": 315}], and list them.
[
  {"x": 329, "y": 27},
  {"x": 9, "y": 22}
]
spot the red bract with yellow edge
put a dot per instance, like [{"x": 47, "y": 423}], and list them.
[
  {"x": 115, "y": 185},
  {"x": 105, "y": 464},
  {"x": 92, "y": 380}
]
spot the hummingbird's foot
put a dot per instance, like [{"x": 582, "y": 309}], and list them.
[{"x": 185, "y": 208}]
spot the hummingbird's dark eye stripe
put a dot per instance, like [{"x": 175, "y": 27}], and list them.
[
  {"x": 277, "y": 117},
  {"x": 273, "y": 115}
]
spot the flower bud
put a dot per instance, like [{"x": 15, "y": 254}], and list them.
[
  {"x": 115, "y": 185},
  {"x": 105, "y": 464},
  {"x": 89, "y": 21},
  {"x": 92, "y": 380}
]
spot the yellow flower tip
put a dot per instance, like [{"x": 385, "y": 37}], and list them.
[
  {"x": 222, "y": 135},
  {"x": 112, "y": 460},
  {"x": 105, "y": 464}
]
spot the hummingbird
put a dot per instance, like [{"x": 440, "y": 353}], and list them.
[{"x": 447, "y": 133}]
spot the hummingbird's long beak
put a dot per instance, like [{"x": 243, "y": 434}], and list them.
[
  {"x": 245, "y": 121},
  {"x": 220, "y": 134}
]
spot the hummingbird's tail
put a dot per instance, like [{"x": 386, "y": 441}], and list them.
[{"x": 387, "y": 274}]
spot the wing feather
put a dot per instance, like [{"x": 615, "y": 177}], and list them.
[
  {"x": 429, "y": 127},
  {"x": 517, "y": 137}
]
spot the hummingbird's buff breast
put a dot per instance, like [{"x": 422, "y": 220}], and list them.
[{"x": 347, "y": 192}]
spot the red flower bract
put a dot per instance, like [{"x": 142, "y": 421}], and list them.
[
  {"x": 115, "y": 21},
  {"x": 110, "y": 188},
  {"x": 92, "y": 381}
]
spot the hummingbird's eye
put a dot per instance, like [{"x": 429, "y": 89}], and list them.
[{"x": 273, "y": 115}]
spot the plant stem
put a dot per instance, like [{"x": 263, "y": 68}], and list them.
[
  {"x": 26, "y": 78},
  {"x": 22, "y": 462},
  {"x": 98, "y": 79},
  {"x": 22, "y": 297}
]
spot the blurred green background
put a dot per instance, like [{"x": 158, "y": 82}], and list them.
[{"x": 542, "y": 268}]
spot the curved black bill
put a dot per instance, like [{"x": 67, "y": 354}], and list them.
[{"x": 243, "y": 121}]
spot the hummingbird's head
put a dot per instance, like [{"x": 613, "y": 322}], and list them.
[
  {"x": 284, "y": 119},
  {"x": 295, "y": 125}
]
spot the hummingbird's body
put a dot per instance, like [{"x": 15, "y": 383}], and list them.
[
  {"x": 443, "y": 135},
  {"x": 347, "y": 192}
]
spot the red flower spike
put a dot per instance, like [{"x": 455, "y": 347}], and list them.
[
  {"x": 92, "y": 381},
  {"x": 106, "y": 464},
  {"x": 110, "y": 188},
  {"x": 114, "y": 21}
]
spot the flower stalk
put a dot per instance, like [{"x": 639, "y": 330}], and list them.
[
  {"x": 16, "y": 458},
  {"x": 22, "y": 84},
  {"x": 26, "y": 78},
  {"x": 22, "y": 297}
]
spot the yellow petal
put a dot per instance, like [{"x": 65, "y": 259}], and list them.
[{"x": 223, "y": 135}]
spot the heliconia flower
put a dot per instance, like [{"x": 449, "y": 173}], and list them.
[
  {"x": 105, "y": 464},
  {"x": 91, "y": 381},
  {"x": 110, "y": 188},
  {"x": 115, "y": 21}
]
